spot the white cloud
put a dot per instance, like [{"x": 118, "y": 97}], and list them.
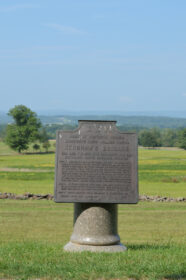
[
  {"x": 12, "y": 8},
  {"x": 125, "y": 99},
  {"x": 63, "y": 28}
]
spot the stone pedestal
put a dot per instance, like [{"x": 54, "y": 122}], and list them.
[{"x": 95, "y": 228}]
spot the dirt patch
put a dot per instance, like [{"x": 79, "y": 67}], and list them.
[{"x": 7, "y": 169}]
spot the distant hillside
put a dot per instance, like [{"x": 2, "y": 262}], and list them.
[{"x": 127, "y": 121}]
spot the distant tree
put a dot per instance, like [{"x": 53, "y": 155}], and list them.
[
  {"x": 2, "y": 131},
  {"x": 46, "y": 146},
  {"x": 43, "y": 135},
  {"x": 182, "y": 139},
  {"x": 44, "y": 139},
  {"x": 36, "y": 147},
  {"x": 24, "y": 130},
  {"x": 150, "y": 138},
  {"x": 169, "y": 137}
]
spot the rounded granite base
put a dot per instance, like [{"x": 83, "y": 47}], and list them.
[{"x": 73, "y": 247}]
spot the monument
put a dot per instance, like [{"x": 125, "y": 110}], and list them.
[{"x": 96, "y": 169}]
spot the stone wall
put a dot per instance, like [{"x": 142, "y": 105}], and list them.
[{"x": 27, "y": 195}]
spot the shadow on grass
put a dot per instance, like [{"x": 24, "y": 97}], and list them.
[
  {"x": 147, "y": 246},
  {"x": 180, "y": 276},
  {"x": 37, "y": 153}
]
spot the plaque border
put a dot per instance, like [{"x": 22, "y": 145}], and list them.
[{"x": 80, "y": 123}]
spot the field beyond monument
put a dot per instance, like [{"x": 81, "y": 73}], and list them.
[{"x": 161, "y": 172}]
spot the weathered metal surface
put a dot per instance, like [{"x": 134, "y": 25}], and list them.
[{"x": 96, "y": 163}]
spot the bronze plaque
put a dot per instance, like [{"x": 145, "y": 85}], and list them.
[{"x": 96, "y": 163}]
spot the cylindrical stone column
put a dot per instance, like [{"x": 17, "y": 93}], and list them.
[{"x": 95, "y": 228}]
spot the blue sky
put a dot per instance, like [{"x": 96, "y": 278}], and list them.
[{"x": 117, "y": 55}]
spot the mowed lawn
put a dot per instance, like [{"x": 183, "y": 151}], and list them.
[
  {"x": 33, "y": 234},
  {"x": 161, "y": 172}
]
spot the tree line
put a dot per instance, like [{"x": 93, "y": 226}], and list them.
[
  {"x": 27, "y": 130},
  {"x": 156, "y": 137},
  {"x": 147, "y": 137}
]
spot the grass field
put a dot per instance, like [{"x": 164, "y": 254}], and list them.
[
  {"x": 162, "y": 172},
  {"x": 32, "y": 233}
]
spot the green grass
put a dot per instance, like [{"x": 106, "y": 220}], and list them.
[
  {"x": 162, "y": 172},
  {"x": 34, "y": 161},
  {"x": 5, "y": 150},
  {"x": 33, "y": 260},
  {"x": 34, "y": 232},
  {"x": 21, "y": 182}
]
